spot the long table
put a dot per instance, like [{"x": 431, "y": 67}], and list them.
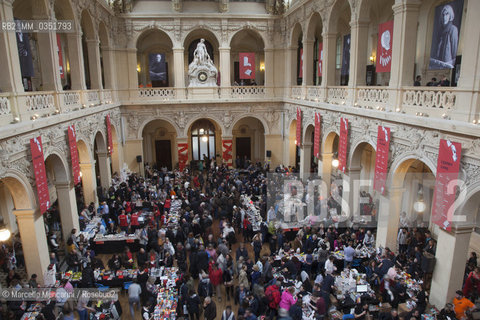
[{"x": 115, "y": 243}]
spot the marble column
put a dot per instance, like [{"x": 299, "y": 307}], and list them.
[
  {"x": 77, "y": 68},
  {"x": 89, "y": 182},
  {"x": 109, "y": 67},
  {"x": 307, "y": 79},
  {"x": 179, "y": 69},
  {"x": 47, "y": 49},
  {"x": 132, "y": 148},
  {"x": 273, "y": 142},
  {"x": 351, "y": 192},
  {"x": 405, "y": 20},
  {"x": 327, "y": 169},
  {"x": 290, "y": 68},
  {"x": 269, "y": 71},
  {"x": 388, "y": 218},
  {"x": 11, "y": 79},
  {"x": 67, "y": 205},
  {"x": 305, "y": 158},
  {"x": 451, "y": 254},
  {"x": 329, "y": 52},
  {"x": 132, "y": 68},
  {"x": 94, "y": 63},
  {"x": 34, "y": 241},
  {"x": 104, "y": 168},
  {"x": 358, "y": 53},
  {"x": 225, "y": 82}
]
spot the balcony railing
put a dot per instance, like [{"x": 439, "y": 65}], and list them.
[
  {"x": 5, "y": 108},
  {"x": 297, "y": 93},
  {"x": 91, "y": 98},
  {"x": 156, "y": 93},
  {"x": 315, "y": 93},
  {"x": 372, "y": 97},
  {"x": 429, "y": 98},
  {"x": 250, "y": 92},
  {"x": 337, "y": 95}
]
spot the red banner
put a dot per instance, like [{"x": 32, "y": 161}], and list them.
[
  {"x": 60, "y": 57},
  {"x": 384, "y": 46},
  {"x": 316, "y": 138},
  {"x": 381, "y": 159},
  {"x": 343, "y": 145},
  {"x": 40, "y": 173},
  {"x": 247, "y": 65},
  {"x": 448, "y": 166},
  {"x": 109, "y": 134},
  {"x": 72, "y": 142},
  {"x": 300, "y": 71},
  {"x": 182, "y": 155},
  {"x": 227, "y": 152},
  {"x": 320, "y": 58},
  {"x": 299, "y": 128}
]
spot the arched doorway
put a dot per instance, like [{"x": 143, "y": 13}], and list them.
[
  {"x": 160, "y": 144},
  {"x": 339, "y": 24},
  {"x": 63, "y": 11},
  {"x": 243, "y": 42},
  {"x": 62, "y": 193},
  {"x": 102, "y": 165},
  {"x": 249, "y": 140},
  {"x": 296, "y": 47},
  {"x": 155, "y": 71},
  {"x": 88, "y": 49},
  {"x": 116, "y": 163},
  {"x": 293, "y": 154},
  {"x": 205, "y": 141},
  {"x": 308, "y": 165},
  {"x": 87, "y": 173},
  {"x": 314, "y": 50}
]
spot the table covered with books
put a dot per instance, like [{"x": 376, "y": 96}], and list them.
[
  {"x": 167, "y": 295},
  {"x": 115, "y": 243}
]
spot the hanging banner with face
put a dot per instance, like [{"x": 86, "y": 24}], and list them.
[
  {"x": 299, "y": 128},
  {"x": 381, "y": 159},
  {"x": 316, "y": 137},
  {"x": 384, "y": 47},
  {"x": 343, "y": 145},
  {"x": 227, "y": 151},
  {"x": 446, "y": 32},
  {"x": 247, "y": 65},
  {"x": 448, "y": 166},
  {"x": 109, "y": 134},
  {"x": 320, "y": 58},
  {"x": 182, "y": 155},
  {"x": 300, "y": 64},
  {"x": 157, "y": 67},
  {"x": 72, "y": 143},
  {"x": 24, "y": 53},
  {"x": 40, "y": 173},
  {"x": 346, "y": 56}
]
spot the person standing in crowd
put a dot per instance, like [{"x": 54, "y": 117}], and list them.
[
  {"x": 417, "y": 82},
  {"x": 134, "y": 291},
  {"x": 462, "y": 305},
  {"x": 228, "y": 314},
  {"x": 209, "y": 309}
]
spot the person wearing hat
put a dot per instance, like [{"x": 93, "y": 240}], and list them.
[{"x": 462, "y": 305}]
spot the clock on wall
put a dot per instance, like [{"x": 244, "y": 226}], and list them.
[{"x": 202, "y": 76}]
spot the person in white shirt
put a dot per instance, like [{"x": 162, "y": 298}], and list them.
[
  {"x": 330, "y": 266},
  {"x": 49, "y": 278},
  {"x": 271, "y": 214}
]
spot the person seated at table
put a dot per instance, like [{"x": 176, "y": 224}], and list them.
[
  {"x": 151, "y": 289},
  {"x": 414, "y": 314},
  {"x": 73, "y": 260},
  {"x": 88, "y": 278},
  {"x": 153, "y": 259},
  {"x": 127, "y": 258},
  {"x": 142, "y": 257},
  {"x": 115, "y": 263},
  {"x": 168, "y": 260},
  {"x": 392, "y": 315},
  {"x": 369, "y": 239},
  {"x": 447, "y": 313}
]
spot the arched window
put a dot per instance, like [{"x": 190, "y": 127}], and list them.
[{"x": 203, "y": 140}]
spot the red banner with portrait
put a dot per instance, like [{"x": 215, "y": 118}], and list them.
[
  {"x": 182, "y": 155},
  {"x": 247, "y": 65},
  {"x": 298, "y": 140},
  {"x": 320, "y": 58},
  {"x": 72, "y": 143},
  {"x": 381, "y": 159},
  {"x": 300, "y": 64},
  {"x": 384, "y": 47},
  {"x": 343, "y": 145},
  {"x": 109, "y": 134},
  {"x": 227, "y": 153},
  {"x": 317, "y": 133},
  {"x": 448, "y": 166},
  {"x": 40, "y": 173}
]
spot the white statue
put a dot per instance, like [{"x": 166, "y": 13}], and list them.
[{"x": 202, "y": 72}]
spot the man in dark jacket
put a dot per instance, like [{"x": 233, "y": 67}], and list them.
[
  {"x": 193, "y": 306},
  {"x": 210, "y": 309},
  {"x": 295, "y": 311},
  {"x": 202, "y": 259}
]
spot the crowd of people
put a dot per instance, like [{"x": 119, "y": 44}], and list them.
[{"x": 223, "y": 256}]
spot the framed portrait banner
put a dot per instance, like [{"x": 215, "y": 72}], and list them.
[{"x": 446, "y": 33}]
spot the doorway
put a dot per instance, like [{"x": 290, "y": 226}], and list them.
[
  {"x": 163, "y": 152},
  {"x": 243, "y": 148}
]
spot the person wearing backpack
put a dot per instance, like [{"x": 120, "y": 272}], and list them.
[{"x": 272, "y": 293}]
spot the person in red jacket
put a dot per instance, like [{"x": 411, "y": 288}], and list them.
[
  {"x": 472, "y": 284},
  {"x": 216, "y": 276},
  {"x": 123, "y": 221},
  {"x": 134, "y": 224},
  {"x": 167, "y": 204},
  {"x": 273, "y": 295}
]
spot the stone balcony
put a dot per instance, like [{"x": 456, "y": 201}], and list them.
[{"x": 424, "y": 103}]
